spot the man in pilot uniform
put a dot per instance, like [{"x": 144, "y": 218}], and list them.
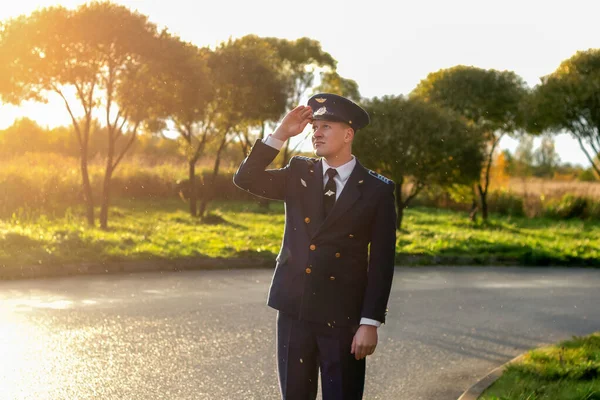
[{"x": 334, "y": 272}]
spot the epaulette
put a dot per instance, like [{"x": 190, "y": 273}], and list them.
[
  {"x": 312, "y": 160},
  {"x": 380, "y": 177}
]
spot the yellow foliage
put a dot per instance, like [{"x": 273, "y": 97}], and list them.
[{"x": 498, "y": 176}]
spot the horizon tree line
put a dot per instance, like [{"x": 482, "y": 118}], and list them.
[{"x": 145, "y": 81}]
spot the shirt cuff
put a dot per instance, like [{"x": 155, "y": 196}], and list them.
[
  {"x": 273, "y": 142},
  {"x": 368, "y": 321}
]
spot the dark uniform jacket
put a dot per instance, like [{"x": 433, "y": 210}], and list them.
[{"x": 325, "y": 272}]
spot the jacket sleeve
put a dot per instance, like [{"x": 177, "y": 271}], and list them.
[
  {"x": 381, "y": 258},
  {"x": 253, "y": 176}
]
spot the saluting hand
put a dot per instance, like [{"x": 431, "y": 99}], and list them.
[{"x": 293, "y": 123}]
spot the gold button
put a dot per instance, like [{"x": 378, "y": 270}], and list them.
[
  {"x": 307, "y": 220},
  {"x": 308, "y": 270},
  {"x": 350, "y": 236},
  {"x": 337, "y": 255},
  {"x": 312, "y": 247},
  {"x": 332, "y": 278}
]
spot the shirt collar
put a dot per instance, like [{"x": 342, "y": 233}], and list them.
[{"x": 343, "y": 171}]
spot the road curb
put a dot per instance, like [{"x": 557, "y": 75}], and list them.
[
  {"x": 150, "y": 265},
  {"x": 478, "y": 388}
]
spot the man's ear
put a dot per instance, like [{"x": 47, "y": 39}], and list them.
[{"x": 349, "y": 135}]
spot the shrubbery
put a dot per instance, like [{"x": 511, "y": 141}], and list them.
[
  {"x": 570, "y": 206},
  {"x": 51, "y": 183},
  {"x": 506, "y": 203}
]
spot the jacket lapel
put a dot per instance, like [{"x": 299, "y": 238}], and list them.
[{"x": 350, "y": 194}]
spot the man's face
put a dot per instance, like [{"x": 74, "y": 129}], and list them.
[{"x": 330, "y": 137}]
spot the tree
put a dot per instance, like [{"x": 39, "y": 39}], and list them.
[
  {"x": 509, "y": 162},
  {"x": 250, "y": 89},
  {"x": 299, "y": 61},
  {"x": 332, "y": 82},
  {"x": 102, "y": 52},
  {"x": 569, "y": 99},
  {"x": 545, "y": 157},
  {"x": 414, "y": 142},
  {"x": 524, "y": 157},
  {"x": 491, "y": 100},
  {"x": 187, "y": 104}
]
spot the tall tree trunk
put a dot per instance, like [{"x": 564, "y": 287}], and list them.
[
  {"x": 595, "y": 161},
  {"x": 83, "y": 140},
  {"x": 483, "y": 190},
  {"x": 87, "y": 187},
  {"x": 107, "y": 177},
  {"x": 474, "y": 206},
  {"x": 192, "y": 187},
  {"x": 105, "y": 198},
  {"x": 484, "y": 205},
  {"x": 210, "y": 193}
]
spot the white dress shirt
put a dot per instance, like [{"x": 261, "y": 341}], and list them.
[{"x": 343, "y": 173}]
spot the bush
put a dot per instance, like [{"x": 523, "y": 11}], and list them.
[
  {"x": 593, "y": 209},
  {"x": 50, "y": 183},
  {"x": 569, "y": 206},
  {"x": 38, "y": 183},
  {"x": 223, "y": 188},
  {"x": 438, "y": 197},
  {"x": 506, "y": 203},
  {"x": 587, "y": 175}
]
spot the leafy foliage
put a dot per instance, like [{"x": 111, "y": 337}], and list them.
[
  {"x": 332, "y": 82},
  {"x": 491, "y": 100},
  {"x": 411, "y": 140},
  {"x": 105, "y": 54},
  {"x": 569, "y": 99}
]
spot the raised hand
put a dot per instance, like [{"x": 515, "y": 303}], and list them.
[{"x": 293, "y": 123}]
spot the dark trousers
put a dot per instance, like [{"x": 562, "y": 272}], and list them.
[{"x": 305, "y": 347}]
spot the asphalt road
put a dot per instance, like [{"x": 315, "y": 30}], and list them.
[{"x": 209, "y": 334}]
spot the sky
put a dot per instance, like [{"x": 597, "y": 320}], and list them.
[{"x": 386, "y": 46}]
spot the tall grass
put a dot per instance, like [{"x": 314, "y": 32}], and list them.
[
  {"x": 49, "y": 184},
  {"x": 45, "y": 183}
]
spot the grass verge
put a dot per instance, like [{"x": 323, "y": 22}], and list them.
[
  {"x": 142, "y": 230},
  {"x": 569, "y": 370}
]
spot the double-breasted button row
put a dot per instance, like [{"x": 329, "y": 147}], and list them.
[
  {"x": 307, "y": 220},
  {"x": 313, "y": 247},
  {"x": 308, "y": 270}
]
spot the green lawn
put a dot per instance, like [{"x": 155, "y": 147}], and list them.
[
  {"x": 567, "y": 371},
  {"x": 446, "y": 234},
  {"x": 146, "y": 229}
]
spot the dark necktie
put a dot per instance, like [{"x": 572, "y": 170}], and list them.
[{"x": 330, "y": 191}]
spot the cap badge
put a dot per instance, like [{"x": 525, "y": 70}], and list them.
[
  {"x": 321, "y": 111},
  {"x": 320, "y": 100}
]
